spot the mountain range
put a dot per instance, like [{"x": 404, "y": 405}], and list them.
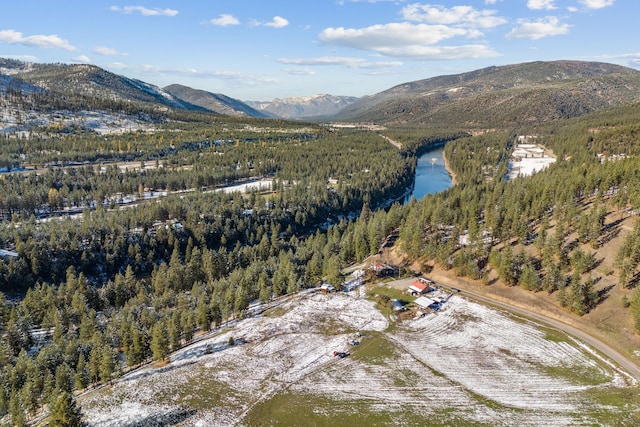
[
  {"x": 503, "y": 96},
  {"x": 304, "y": 106}
]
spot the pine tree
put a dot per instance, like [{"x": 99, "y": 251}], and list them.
[
  {"x": 64, "y": 412},
  {"x": 263, "y": 286},
  {"x": 174, "y": 331},
  {"x": 16, "y": 411},
  {"x": 241, "y": 301},
  {"x": 635, "y": 308},
  {"x": 81, "y": 378},
  {"x": 107, "y": 364},
  {"x": 159, "y": 342},
  {"x": 94, "y": 364},
  {"x": 187, "y": 324},
  {"x": 203, "y": 316}
]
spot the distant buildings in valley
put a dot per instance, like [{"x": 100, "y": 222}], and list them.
[{"x": 528, "y": 158}]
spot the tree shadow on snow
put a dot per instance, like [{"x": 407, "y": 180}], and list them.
[
  {"x": 166, "y": 419},
  {"x": 147, "y": 372}
]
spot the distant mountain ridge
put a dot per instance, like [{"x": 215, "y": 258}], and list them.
[
  {"x": 304, "y": 106},
  {"x": 89, "y": 80},
  {"x": 72, "y": 97},
  {"x": 214, "y": 102},
  {"x": 502, "y": 96},
  {"x": 493, "y": 97}
]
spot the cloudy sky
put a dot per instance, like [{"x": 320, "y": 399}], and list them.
[{"x": 265, "y": 49}]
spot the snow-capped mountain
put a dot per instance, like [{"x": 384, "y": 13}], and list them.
[{"x": 304, "y": 106}]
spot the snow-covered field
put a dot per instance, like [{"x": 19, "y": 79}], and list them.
[
  {"x": 465, "y": 362},
  {"x": 21, "y": 122},
  {"x": 257, "y": 185},
  {"x": 528, "y": 159}
]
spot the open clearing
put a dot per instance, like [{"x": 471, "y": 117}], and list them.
[{"x": 467, "y": 364}]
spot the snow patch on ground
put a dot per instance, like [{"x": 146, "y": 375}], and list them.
[
  {"x": 492, "y": 355},
  {"x": 20, "y": 122},
  {"x": 466, "y": 361},
  {"x": 528, "y": 159}
]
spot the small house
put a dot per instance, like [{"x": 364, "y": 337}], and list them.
[
  {"x": 327, "y": 288},
  {"x": 382, "y": 270},
  {"x": 418, "y": 288}
]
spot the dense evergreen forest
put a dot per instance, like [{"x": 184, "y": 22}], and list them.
[
  {"x": 522, "y": 229},
  {"x": 100, "y": 285}
]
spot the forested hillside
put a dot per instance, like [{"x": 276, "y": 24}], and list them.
[{"x": 548, "y": 232}]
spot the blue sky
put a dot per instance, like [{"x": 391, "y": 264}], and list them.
[{"x": 265, "y": 49}]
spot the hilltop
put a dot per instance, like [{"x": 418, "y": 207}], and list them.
[
  {"x": 501, "y": 97},
  {"x": 213, "y": 102}
]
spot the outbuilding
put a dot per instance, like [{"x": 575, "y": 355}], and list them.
[
  {"x": 327, "y": 288},
  {"x": 424, "y": 302},
  {"x": 398, "y": 305}
]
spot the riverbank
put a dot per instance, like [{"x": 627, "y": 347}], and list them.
[{"x": 448, "y": 168}]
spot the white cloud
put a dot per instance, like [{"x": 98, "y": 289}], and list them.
[
  {"x": 433, "y": 53},
  {"x": 83, "y": 59},
  {"x": 300, "y": 72},
  {"x": 277, "y": 22},
  {"x": 324, "y": 60},
  {"x": 105, "y": 51},
  {"x": 456, "y": 15},
  {"x": 339, "y": 61},
  {"x": 119, "y": 66},
  {"x": 144, "y": 11},
  {"x": 224, "y": 20},
  {"x": 390, "y": 35},
  {"x": 42, "y": 41},
  {"x": 229, "y": 76},
  {"x": 541, "y": 4},
  {"x": 412, "y": 41},
  {"x": 630, "y": 59},
  {"x": 23, "y": 58},
  {"x": 596, "y": 4},
  {"x": 544, "y": 27}
]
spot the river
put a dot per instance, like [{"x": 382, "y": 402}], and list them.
[{"x": 431, "y": 175}]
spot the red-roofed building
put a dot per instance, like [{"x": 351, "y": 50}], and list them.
[{"x": 418, "y": 288}]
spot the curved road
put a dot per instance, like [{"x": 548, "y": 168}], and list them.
[{"x": 624, "y": 362}]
